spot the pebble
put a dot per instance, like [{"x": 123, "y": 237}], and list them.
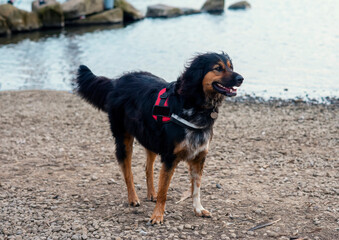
[
  {"x": 284, "y": 238},
  {"x": 188, "y": 226},
  {"x": 94, "y": 178},
  {"x": 76, "y": 237},
  {"x": 224, "y": 237},
  {"x": 272, "y": 234}
]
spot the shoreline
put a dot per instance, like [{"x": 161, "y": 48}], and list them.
[
  {"x": 328, "y": 100},
  {"x": 60, "y": 178}
]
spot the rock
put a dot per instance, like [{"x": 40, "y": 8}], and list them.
[
  {"x": 130, "y": 12},
  {"x": 4, "y": 29},
  {"x": 36, "y": 5},
  {"x": 94, "y": 177},
  {"x": 272, "y": 234},
  {"x": 50, "y": 14},
  {"x": 242, "y": 5},
  {"x": 188, "y": 226},
  {"x": 213, "y": 6},
  {"x": 77, "y": 8},
  {"x": 114, "y": 15},
  {"x": 189, "y": 11},
  {"x": 19, "y": 20},
  {"x": 163, "y": 11}
]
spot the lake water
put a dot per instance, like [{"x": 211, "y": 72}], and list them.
[{"x": 284, "y": 49}]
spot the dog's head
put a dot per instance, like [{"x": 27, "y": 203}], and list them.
[{"x": 210, "y": 75}]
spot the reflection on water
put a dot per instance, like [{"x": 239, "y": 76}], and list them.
[{"x": 281, "y": 49}]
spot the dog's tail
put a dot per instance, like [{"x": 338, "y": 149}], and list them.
[{"x": 92, "y": 88}]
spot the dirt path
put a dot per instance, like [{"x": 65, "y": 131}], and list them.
[{"x": 59, "y": 178}]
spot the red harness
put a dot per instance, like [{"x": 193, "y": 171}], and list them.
[{"x": 161, "y": 108}]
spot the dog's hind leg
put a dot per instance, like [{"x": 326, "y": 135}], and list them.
[
  {"x": 196, "y": 168},
  {"x": 124, "y": 148},
  {"x": 151, "y": 156}
]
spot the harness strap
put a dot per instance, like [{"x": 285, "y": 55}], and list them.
[{"x": 162, "y": 101}]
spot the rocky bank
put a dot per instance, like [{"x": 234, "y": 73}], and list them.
[{"x": 268, "y": 163}]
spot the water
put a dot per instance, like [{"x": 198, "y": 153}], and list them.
[{"x": 284, "y": 49}]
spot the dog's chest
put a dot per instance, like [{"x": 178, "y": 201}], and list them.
[{"x": 196, "y": 142}]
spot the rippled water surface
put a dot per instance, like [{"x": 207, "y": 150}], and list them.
[{"x": 283, "y": 49}]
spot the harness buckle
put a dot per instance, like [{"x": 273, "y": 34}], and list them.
[{"x": 162, "y": 111}]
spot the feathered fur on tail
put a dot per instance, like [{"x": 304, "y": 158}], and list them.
[{"x": 92, "y": 88}]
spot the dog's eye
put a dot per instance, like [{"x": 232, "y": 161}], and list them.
[{"x": 219, "y": 69}]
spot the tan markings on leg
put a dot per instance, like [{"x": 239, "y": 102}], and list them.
[
  {"x": 126, "y": 168},
  {"x": 196, "y": 168},
  {"x": 164, "y": 182},
  {"x": 181, "y": 150},
  {"x": 151, "y": 156}
]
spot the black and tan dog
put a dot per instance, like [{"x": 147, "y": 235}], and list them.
[{"x": 173, "y": 120}]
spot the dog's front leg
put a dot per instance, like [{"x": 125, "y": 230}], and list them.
[
  {"x": 165, "y": 177},
  {"x": 196, "y": 168}
]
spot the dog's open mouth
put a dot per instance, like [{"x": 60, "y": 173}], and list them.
[{"x": 228, "y": 91}]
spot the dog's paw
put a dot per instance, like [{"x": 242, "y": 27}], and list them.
[
  {"x": 152, "y": 197},
  {"x": 156, "y": 219},
  {"x": 134, "y": 203},
  {"x": 203, "y": 213}
]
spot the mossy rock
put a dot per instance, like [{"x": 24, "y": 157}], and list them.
[
  {"x": 36, "y": 4},
  {"x": 78, "y": 8},
  {"x": 107, "y": 17},
  {"x": 51, "y": 16},
  {"x": 4, "y": 29},
  {"x": 19, "y": 20},
  {"x": 163, "y": 11},
  {"x": 213, "y": 6},
  {"x": 242, "y": 5},
  {"x": 130, "y": 12}
]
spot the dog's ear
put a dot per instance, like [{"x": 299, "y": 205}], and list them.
[{"x": 190, "y": 81}]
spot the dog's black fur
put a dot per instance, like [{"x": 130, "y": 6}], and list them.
[{"x": 129, "y": 100}]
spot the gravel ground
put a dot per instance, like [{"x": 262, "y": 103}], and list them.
[{"x": 269, "y": 162}]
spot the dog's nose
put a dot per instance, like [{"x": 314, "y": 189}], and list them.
[{"x": 239, "y": 79}]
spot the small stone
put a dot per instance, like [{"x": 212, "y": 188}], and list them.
[
  {"x": 284, "y": 238},
  {"x": 94, "y": 178},
  {"x": 218, "y": 186},
  {"x": 203, "y": 233},
  {"x": 233, "y": 235},
  {"x": 56, "y": 229},
  {"x": 224, "y": 237},
  {"x": 76, "y": 237},
  {"x": 111, "y": 181},
  {"x": 272, "y": 234},
  {"x": 188, "y": 226}
]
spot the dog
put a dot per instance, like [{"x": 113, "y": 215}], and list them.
[{"x": 174, "y": 120}]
